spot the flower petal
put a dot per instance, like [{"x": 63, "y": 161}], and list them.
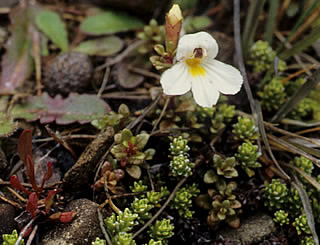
[
  {"x": 204, "y": 93},
  {"x": 189, "y": 42},
  {"x": 225, "y": 78},
  {"x": 176, "y": 80}
]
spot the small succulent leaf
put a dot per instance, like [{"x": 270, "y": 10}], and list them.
[
  {"x": 49, "y": 200},
  {"x": 109, "y": 22},
  {"x": 32, "y": 205},
  {"x": 126, "y": 135},
  {"x": 149, "y": 153},
  {"x": 15, "y": 183},
  {"x": 55, "y": 216},
  {"x": 67, "y": 217},
  {"x": 124, "y": 110},
  {"x": 203, "y": 201},
  {"x": 210, "y": 177},
  {"x": 25, "y": 144},
  {"x": 142, "y": 140},
  {"x": 104, "y": 46},
  {"x": 236, "y": 204},
  {"x": 134, "y": 171},
  {"x": 137, "y": 158}
]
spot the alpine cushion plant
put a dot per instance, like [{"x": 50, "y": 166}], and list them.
[{"x": 197, "y": 69}]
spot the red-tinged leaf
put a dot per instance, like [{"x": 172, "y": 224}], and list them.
[
  {"x": 25, "y": 145},
  {"x": 30, "y": 173},
  {"x": 47, "y": 175},
  {"x": 14, "y": 181},
  {"x": 49, "y": 200},
  {"x": 55, "y": 216},
  {"x": 17, "y": 62},
  {"x": 67, "y": 217},
  {"x": 32, "y": 205},
  {"x": 76, "y": 108}
]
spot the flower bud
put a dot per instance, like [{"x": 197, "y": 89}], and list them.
[{"x": 173, "y": 27}]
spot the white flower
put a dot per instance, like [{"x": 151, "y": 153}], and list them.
[{"x": 196, "y": 69}]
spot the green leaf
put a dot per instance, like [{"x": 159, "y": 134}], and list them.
[
  {"x": 126, "y": 135},
  {"x": 142, "y": 140},
  {"x": 110, "y": 22},
  {"x": 101, "y": 46},
  {"x": 137, "y": 158},
  {"x": 210, "y": 177},
  {"x": 7, "y": 126},
  {"x": 149, "y": 153},
  {"x": 134, "y": 171},
  {"x": 76, "y": 108},
  {"x": 51, "y": 24},
  {"x": 17, "y": 63}
]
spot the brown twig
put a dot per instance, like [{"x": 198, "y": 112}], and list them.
[
  {"x": 161, "y": 114},
  {"x": 105, "y": 81},
  {"x": 33, "y": 233},
  {"x": 15, "y": 204},
  {"x": 61, "y": 141}
]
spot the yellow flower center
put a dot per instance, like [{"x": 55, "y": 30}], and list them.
[{"x": 195, "y": 68}]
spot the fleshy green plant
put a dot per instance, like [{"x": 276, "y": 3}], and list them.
[
  {"x": 247, "y": 156},
  {"x": 161, "y": 230},
  {"x": 138, "y": 187},
  {"x": 153, "y": 242},
  {"x": 141, "y": 207},
  {"x": 275, "y": 195},
  {"x": 221, "y": 210},
  {"x": 222, "y": 203},
  {"x": 99, "y": 241},
  {"x": 261, "y": 57},
  {"x": 123, "y": 222},
  {"x": 308, "y": 240},
  {"x": 179, "y": 146},
  {"x": 273, "y": 95},
  {"x": 301, "y": 224},
  {"x": 294, "y": 202},
  {"x": 304, "y": 164},
  {"x": 123, "y": 238},
  {"x": 182, "y": 201},
  {"x": 225, "y": 167},
  {"x": 11, "y": 239},
  {"x": 180, "y": 164},
  {"x": 303, "y": 110},
  {"x": 281, "y": 217},
  {"x": 245, "y": 129}
]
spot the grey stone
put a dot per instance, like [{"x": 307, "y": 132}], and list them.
[
  {"x": 83, "y": 229},
  {"x": 7, "y": 223},
  {"x": 252, "y": 230}
]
